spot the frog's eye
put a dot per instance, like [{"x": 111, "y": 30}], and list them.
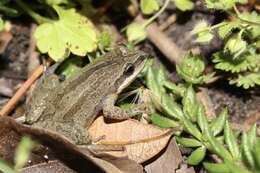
[{"x": 129, "y": 69}]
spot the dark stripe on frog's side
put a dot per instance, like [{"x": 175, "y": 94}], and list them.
[{"x": 89, "y": 97}]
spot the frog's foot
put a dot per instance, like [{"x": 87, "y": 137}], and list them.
[{"x": 115, "y": 112}]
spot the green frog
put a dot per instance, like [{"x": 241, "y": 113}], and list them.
[{"x": 69, "y": 106}]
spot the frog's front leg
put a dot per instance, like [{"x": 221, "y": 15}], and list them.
[{"x": 115, "y": 112}]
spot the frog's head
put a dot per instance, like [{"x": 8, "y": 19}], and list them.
[{"x": 131, "y": 64}]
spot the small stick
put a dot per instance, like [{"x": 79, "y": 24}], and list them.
[{"x": 20, "y": 92}]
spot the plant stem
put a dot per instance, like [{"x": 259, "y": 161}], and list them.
[
  {"x": 150, "y": 20},
  {"x": 40, "y": 19},
  {"x": 244, "y": 20}
]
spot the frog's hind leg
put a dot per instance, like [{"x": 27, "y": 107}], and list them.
[{"x": 77, "y": 134}]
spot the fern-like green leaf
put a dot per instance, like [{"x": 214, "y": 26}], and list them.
[
  {"x": 247, "y": 81},
  {"x": 224, "y": 61}
]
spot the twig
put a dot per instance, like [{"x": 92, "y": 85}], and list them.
[
  {"x": 20, "y": 92},
  {"x": 169, "y": 21},
  {"x": 171, "y": 51}
]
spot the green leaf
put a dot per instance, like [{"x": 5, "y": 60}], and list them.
[
  {"x": 171, "y": 107},
  {"x": 203, "y": 32},
  {"x": 163, "y": 122},
  {"x": 247, "y": 81},
  {"x": 226, "y": 62},
  {"x": 191, "y": 69},
  {"x": 217, "y": 147},
  {"x": 197, "y": 156},
  {"x": 247, "y": 154},
  {"x": 231, "y": 141},
  {"x": 235, "y": 45},
  {"x": 191, "y": 128},
  {"x": 188, "y": 142},
  {"x": 222, "y": 4},
  {"x": 149, "y": 6},
  {"x": 104, "y": 40},
  {"x": 256, "y": 153},
  {"x": 216, "y": 167},
  {"x": 184, "y": 5},
  {"x": 178, "y": 89},
  {"x": 56, "y": 2},
  {"x": 71, "y": 67},
  {"x": 1, "y": 24},
  {"x": 235, "y": 168},
  {"x": 202, "y": 119},
  {"x": 5, "y": 167},
  {"x": 135, "y": 32},
  {"x": 189, "y": 102},
  {"x": 226, "y": 28},
  {"x": 71, "y": 33},
  {"x": 251, "y": 136},
  {"x": 23, "y": 152},
  {"x": 218, "y": 123}
]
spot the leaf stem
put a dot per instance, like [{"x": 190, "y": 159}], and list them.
[
  {"x": 40, "y": 19},
  {"x": 150, "y": 20},
  {"x": 243, "y": 19}
]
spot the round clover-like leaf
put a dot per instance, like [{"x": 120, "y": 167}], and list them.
[
  {"x": 135, "y": 32},
  {"x": 71, "y": 33}
]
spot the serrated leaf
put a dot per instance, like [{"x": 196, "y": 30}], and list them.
[
  {"x": 227, "y": 27},
  {"x": 149, "y": 6},
  {"x": 231, "y": 141},
  {"x": 184, "y": 5},
  {"x": 247, "y": 155},
  {"x": 225, "y": 61},
  {"x": 135, "y": 32},
  {"x": 188, "y": 142},
  {"x": 216, "y": 167},
  {"x": 197, "y": 156},
  {"x": 23, "y": 152},
  {"x": 247, "y": 81},
  {"x": 71, "y": 33},
  {"x": 6, "y": 167},
  {"x": 163, "y": 122},
  {"x": 203, "y": 32}
]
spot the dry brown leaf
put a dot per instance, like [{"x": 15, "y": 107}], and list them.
[
  {"x": 5, "y": 38},
  {"x": 142, "y": 141},
  {"x": 50, "y": 167},
  {"x": 167, "y": 161}
]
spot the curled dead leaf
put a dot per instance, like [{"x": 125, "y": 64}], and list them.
[{"x": 142, "y": 141}]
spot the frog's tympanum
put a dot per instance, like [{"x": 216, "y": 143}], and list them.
[{"x": 70, "y": 106}]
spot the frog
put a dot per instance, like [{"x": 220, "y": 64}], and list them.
[{"x": 69, "y": 106}]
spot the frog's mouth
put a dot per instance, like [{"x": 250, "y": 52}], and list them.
[{"x": 138, "y": 66}]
